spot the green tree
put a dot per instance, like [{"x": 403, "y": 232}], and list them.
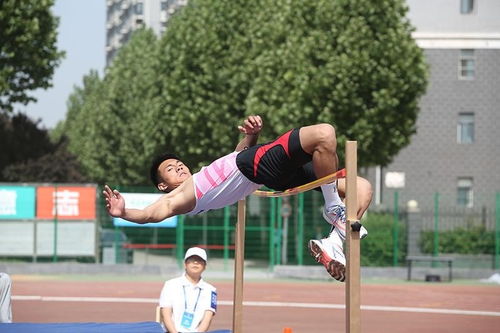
[
  {"x": 56, "y": 166},
  {"x": 109, "y": 121},
  {"x": 29, "y": 155},
  {"x": 28, "y": 53},
  {"x": 206, "y": 78},
  {"x": 87, "y": 109},
  {"x": 351, "y": 63},
  {"x": 134, "y": 93},
  {"x": 21, "y": 140}
]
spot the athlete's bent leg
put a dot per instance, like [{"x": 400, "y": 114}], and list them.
[
  {"x": 365, "y": 194},
  {"x": 320, "y": 141}
]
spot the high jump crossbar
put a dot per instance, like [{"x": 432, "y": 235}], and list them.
[{"x": 352, "y": 294}]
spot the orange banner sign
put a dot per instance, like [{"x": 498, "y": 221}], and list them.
[{"x": 72, "y": 202}]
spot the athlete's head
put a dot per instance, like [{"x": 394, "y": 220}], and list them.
[{"x": 167, "y": 172}]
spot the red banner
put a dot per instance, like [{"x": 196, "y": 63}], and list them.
[{"x": 72, "y": 202}]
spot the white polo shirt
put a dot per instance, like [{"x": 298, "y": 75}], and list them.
[{"x": 181, "y": 295}]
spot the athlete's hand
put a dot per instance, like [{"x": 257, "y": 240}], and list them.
[
  {"x": 251, "y": 126},
  {"x": 115, "y": 204}
]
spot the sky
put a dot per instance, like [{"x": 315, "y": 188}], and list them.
[{"x": 81, "y": 34}]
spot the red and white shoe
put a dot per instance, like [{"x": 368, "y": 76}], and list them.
[{"x": 329, "y": 253}]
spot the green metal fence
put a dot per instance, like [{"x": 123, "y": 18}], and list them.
[
  {"x": 471, "y": 234},
  {"x": 277, "y": 231},
  {"x": 271, "y": 238}
]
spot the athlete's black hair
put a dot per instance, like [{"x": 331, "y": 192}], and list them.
[{"x": 153, "y": 171}]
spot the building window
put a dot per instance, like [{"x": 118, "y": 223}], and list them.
[
  {"x": 465, "y": 128},
  {"x": 465, "y": 194},
  {"x": 466, "y": 6},
  {"x": 467, "y": 64},
  {"x": 139, "y": 8}
]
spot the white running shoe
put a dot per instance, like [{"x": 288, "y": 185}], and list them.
[
  {"x": 335, "y": 215},
  {"x": 329, "y": 253}
]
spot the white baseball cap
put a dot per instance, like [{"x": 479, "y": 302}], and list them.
[{"x": 196, "y": 251}]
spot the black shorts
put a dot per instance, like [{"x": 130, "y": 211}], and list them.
[{"x": 280, "y": 164}]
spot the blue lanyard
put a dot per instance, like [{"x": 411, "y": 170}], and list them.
[{"x": 185, "y": 298}]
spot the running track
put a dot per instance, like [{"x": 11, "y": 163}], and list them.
[{"x": 270, "y": 305}]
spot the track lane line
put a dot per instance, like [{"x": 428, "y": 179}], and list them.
[{"x": 261, "y": 304}]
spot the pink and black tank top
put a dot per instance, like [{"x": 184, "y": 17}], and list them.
[
  {"x": 280, "y": 164},
  {"x": 220, "y": 184}
]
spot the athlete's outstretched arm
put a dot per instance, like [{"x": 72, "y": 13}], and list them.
[
  {"x": 179, "y": 201},
  {"x": 115, "y": 203},
  {"x": 251, "y": 128}
]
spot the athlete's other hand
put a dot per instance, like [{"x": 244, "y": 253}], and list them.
[
  {"x": 115, "y": 204},
  {"x": 251, "y": 126}
]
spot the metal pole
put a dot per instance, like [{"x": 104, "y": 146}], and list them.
[
  {"x": 35, "y": 235},
  {"x": 115, "y": 245},
  {"x": 179, "y": 249},
  {"x": 300, "y": 232},
  {"x": 396, "y": 229},
  {"x": 497, "y": 232},
  {"x": 204, "y": 229},
  {"x": 272, "y": 230},
  {"x": 284, "y": 236},
  {"x": 436, "y": 225},
  {"x": 54, "y": 256}
]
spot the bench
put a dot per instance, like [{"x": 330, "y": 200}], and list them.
[{"x": 448, "y": 260}]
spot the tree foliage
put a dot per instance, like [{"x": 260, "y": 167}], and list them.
[
  {"x": 21, "y": 140},
  {"x": 82, "y": 126},
  {"x": 470, "y": 240},
  {"x": 207, "y": 77},
  {"x": 28, "y": 52},
  {"x": 28, "y": 154},
  {"x": 109, "y": 121},
  {"x": 57, "y": 166},
  {"x": 351, "y": 63}
]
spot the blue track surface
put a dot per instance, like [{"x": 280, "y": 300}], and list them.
[{"x": 141, "y": 327}]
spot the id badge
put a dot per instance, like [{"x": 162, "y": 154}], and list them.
[{"x": 187, "y": 319}]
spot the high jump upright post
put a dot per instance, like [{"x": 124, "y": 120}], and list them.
[
  {"x": 352, "y": 293},
  {"x": 239, "y": 257}
]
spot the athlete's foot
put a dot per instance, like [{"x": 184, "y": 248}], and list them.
[
  {"x": 329, "y": 253},
  {"x": 335, "y": 215}
]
